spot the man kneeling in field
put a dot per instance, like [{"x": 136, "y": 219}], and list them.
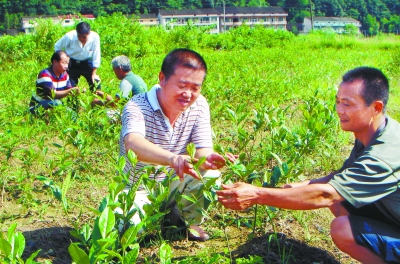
[
  {"x": 53, "y": 84},
  {"x": 364, "y": 194},
  {"x": 158, "y": 126}
]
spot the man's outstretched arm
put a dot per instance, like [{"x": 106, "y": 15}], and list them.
[{"x": 240, "y": 196}]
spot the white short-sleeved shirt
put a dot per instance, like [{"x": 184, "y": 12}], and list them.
[
  {"x": 142, "y": 114},
  {"x": 73, "y": 47}
]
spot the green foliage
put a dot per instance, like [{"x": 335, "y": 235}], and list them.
[
  {"x": 351, "y": 30},
  {"x": 12, "y": 246},
  {"x": 372, "y": 25}
]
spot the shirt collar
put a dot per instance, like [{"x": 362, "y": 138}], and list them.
[
  {"x": 50, "y": 68},
  {"x": 152, "y": 97},
  {"x": 75, "y": 37}
]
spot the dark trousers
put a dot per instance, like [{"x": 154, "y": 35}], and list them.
[{"x": 76, "y": 69}]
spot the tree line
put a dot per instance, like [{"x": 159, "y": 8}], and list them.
[{"x": 375, "y": 15}]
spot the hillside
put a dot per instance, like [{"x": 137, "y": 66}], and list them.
[{"x": 382, "y": 15}]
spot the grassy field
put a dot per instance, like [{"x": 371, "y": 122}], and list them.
[{"x": 271, "y": 96}]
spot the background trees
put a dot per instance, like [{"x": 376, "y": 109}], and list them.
[{"x": 385, "y": 12}]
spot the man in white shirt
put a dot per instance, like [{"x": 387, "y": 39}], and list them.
[{"x": 83, "y": 47}]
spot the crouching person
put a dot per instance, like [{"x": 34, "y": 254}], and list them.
[
  {"x": 364, "y": 194},
  {"x": 158, "y": 126},
  {"x": 53, "y": 84}
]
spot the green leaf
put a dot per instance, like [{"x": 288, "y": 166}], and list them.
[
  {"x": 191, "y": 150},
  {"x": 232, "y": 114},
  {"x": 19, "y": 245},
  {"x": 104, "y": 204},
  {"x": 199, "y": 163},
  {"x": 130, "y": 235},
  {"x": 277, "y": 158},
  {"x": 11, "y": 232},
  {"x": 113, "y": 254},
  {"x": 64, "y": 190},
  {"x": 132, "y": 157},
  {"x": 45, "y": 180},
  {"x": 132, "y": 255},
  {"x": 93, "y": 210},
  {"x": 56, "y": 192},
  {"x": 276, "y": 174},
  {"x": 190, "y": 199},
  {"x": 165, "y": 254},
  {"x": 106, "y": 222},
  {"x": 86, "y": 231},
  {"x": 31, "y": 258},
  {"x": 57, "y": 145},
  {"x": 5, "y": 247},
  {"x": 121, "y": 163},
  {"x": 285, "y": 168},
  {"x": 78, "y": 255}
]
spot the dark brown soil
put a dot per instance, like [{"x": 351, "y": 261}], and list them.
[{"x": 53, "y": 238}]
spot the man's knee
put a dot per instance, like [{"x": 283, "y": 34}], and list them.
[{"x": 341, "y": 232}]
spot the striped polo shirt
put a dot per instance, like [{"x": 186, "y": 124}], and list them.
[
  {"x": 48, "y": 81},
  {"x": 143, "y": 114}
]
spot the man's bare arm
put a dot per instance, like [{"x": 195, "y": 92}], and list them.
[{"x": 240, "y": 196}]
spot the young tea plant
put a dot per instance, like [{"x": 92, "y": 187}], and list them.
[{"x": 12, "y": 246}]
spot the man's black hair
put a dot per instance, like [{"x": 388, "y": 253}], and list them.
[
  {"x": 57, "y": 56},
  {"x": 376, "y": 85},
  {"x": 182, "y": 57},
  {"x": 83, "y": 28}
]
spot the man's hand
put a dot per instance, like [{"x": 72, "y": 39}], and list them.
[
  {"x": 182, "y": 165},
  {"x": 75, "y": 90},
  {"x": 100, "y": 93},
  {"x": 95, "y": 77},
  {"x": 231, "y": 157},
  {"x": 238, "y": 196},
  {"x": 214, "y": 161}
]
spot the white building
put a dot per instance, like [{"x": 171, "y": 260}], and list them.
[
  {"x": 338, "y": 24},
  {"x": 29, "y": 23},
  {"x": 222, "y": 19},
  {"x": 148, "y": 20},
  {"x": 271, "y": 17},
  {"x": 199, "y": 17}
]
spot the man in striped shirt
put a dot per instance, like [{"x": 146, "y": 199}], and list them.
[
  {"x": 158, "y": 126},
  {"x": 53, "y": 83}
]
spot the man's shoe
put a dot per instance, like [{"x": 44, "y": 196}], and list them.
[{"x": 196, "y": 233}]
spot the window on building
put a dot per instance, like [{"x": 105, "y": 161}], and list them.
[
  {"x": 235, "y": 19},
  {"x": 151, "y": 20},
  {"x": 254, "y": 19},
  {"x": 213, "y": 19},
  {"x": 228, "y": 20},
  {"x": 245, "y": 19},
  {"x": 141, "y": 20},
  {"x": 167, "y": 19},
  {"x": 280, "y": 19},
  {"x": 204, "y": 20},
  {"x": 272, "y": 19}
]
